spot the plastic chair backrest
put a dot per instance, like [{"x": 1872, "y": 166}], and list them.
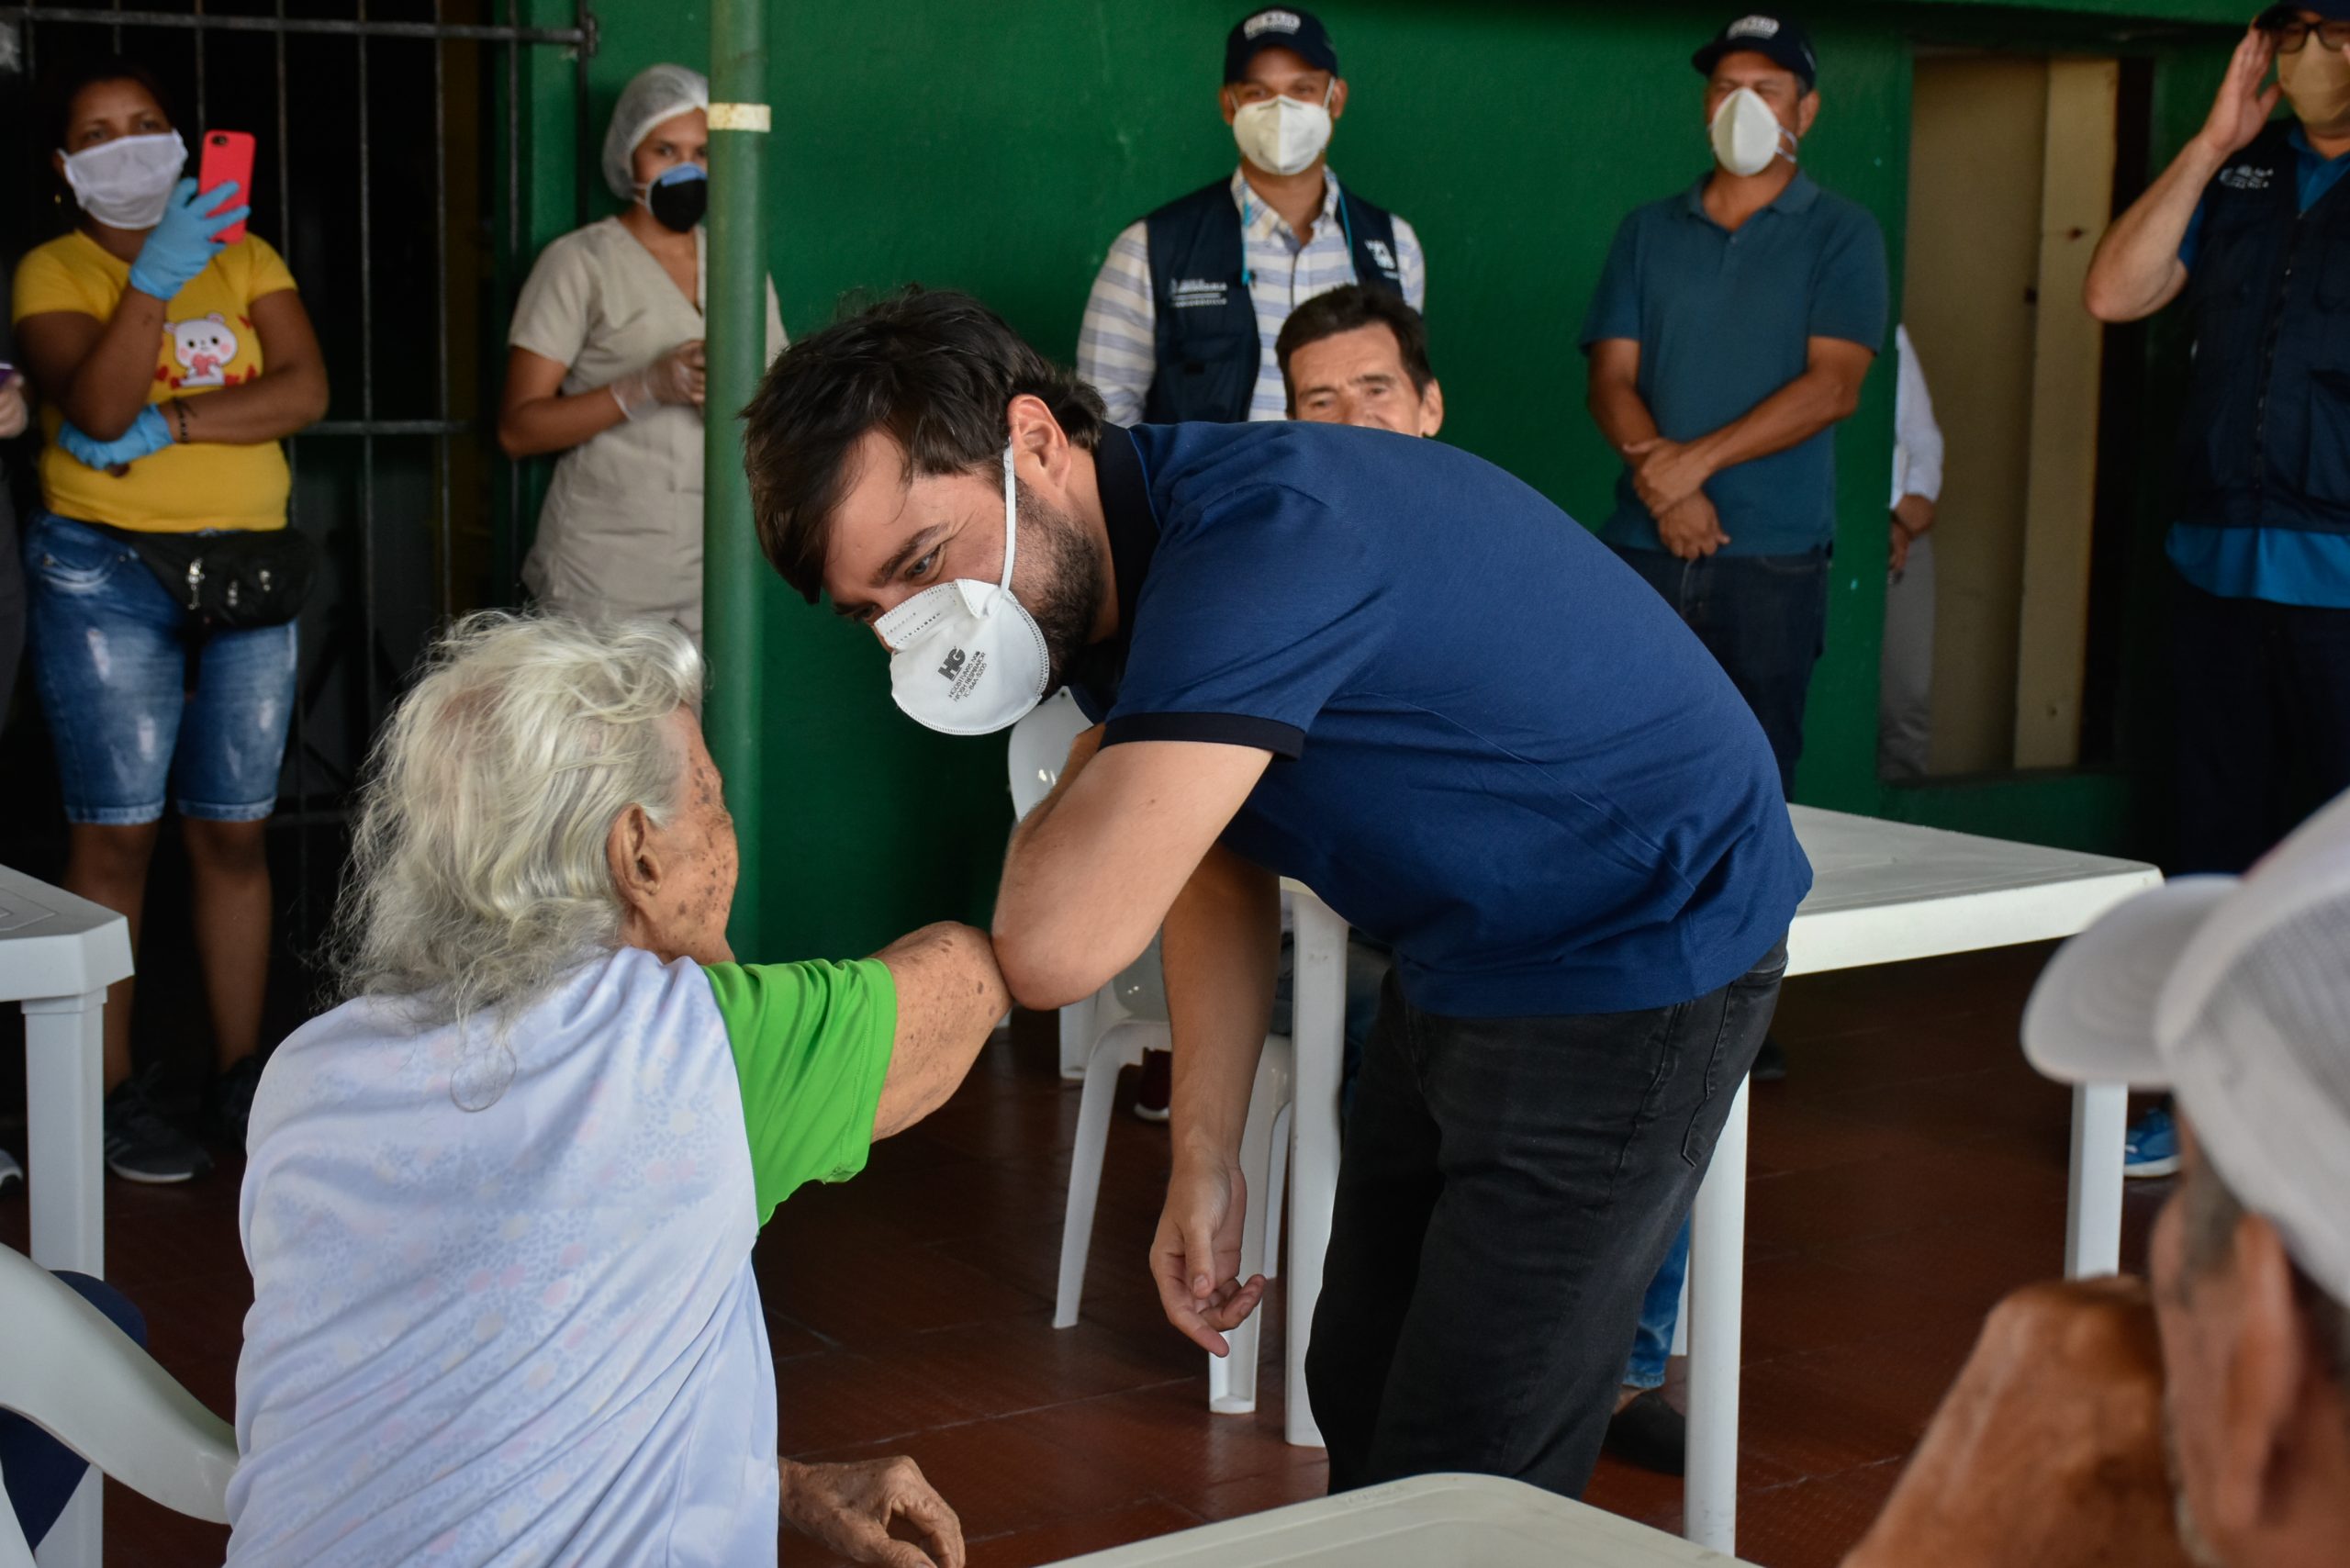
[
  {"x": 1040, "y": 746},
  {"x": 68, "y": 1369}
]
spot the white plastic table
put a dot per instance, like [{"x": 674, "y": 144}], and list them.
[
  {"x": 1882, "y": 892},
  {"x": 1425, "y": 1521},
  {"x": 58, "y": 955}
]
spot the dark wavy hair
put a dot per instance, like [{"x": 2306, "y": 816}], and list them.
[
  {"x": 935, "y": 370},
  {"x": 1342, "y": 310}
]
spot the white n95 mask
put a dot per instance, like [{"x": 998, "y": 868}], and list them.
[
  {"x": 966, "y": 657},
  {"x": 1282, "y": 134},
  {"x": 1746, "y": 135},
  {"x": 126, "y": 183}
]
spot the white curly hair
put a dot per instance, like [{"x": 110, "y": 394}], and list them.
[{"x": 477, "y": 869}]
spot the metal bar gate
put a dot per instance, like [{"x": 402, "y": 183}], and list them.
[{"x": 355, "y": 191}]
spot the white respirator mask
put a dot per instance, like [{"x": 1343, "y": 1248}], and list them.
[
  {"x": 126, "y": 183},
  {"x": 1282, "y": 135},
  {"x": 1746, "y": 135},
  {"x": 966, "y": 657}
]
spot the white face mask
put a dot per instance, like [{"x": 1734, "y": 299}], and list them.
[
  {"x": 1746, "y": 135},
  {"x": 125, "y": 182},
  {"x": 1283, "y": 134},
  {"x": 966, "y": 657}
]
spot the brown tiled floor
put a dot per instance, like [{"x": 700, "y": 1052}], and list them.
[{"x": 1910, "y": 1173}]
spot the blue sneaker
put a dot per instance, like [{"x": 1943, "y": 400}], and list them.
[{"x": 2151, "y": 1147}]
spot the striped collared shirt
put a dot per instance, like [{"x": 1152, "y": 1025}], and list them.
[{"x": 1116, "y": 348}]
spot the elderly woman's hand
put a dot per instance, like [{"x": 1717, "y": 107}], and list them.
[
  {"x": 850, "y": 1507},
  {"x": 13, "y": 413}
]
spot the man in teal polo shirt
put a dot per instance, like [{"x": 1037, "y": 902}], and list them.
[{"x": 1729, "y": 334}]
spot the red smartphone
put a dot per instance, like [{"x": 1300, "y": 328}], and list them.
[{"x": 227, "y": 155}]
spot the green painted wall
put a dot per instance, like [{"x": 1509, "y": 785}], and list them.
[{"x": 998, "y": 148}]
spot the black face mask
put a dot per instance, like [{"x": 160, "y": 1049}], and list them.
[{"x": 677, "y": 205}]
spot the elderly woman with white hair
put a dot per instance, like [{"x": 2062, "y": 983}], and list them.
[
  {"x": 499, "y": 1204},
  {"x": 604, "y": 366}
]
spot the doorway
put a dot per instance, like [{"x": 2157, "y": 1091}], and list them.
[{"x": 2011, "y": 186}]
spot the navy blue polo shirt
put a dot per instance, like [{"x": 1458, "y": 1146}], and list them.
[
  {"x": 1496, "y": 748},
  {"x": 1724, "y": 321}
]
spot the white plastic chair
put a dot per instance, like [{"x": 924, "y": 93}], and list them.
[
  {"x": 1109, "y": 1030},
  {"x": 65, "y": 1367}
]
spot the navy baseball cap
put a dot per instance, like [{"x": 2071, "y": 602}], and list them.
[
  {"x": 2277, "y": 16},
  {"x": 1300, "y": 32},
  {"x": 1780, "y": 40}
]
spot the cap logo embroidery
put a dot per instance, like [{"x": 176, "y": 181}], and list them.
[
  {"x": 1753, "y": 28},
  {"x": 1273, "y": 22}
]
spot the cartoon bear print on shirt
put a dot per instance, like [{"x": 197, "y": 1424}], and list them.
[{"x": 204, "y": 348}]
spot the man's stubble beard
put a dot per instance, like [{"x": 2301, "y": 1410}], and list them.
[{"x": 1065, "y": 596}]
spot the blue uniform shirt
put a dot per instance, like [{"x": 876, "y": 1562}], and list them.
[
  {"x": 1724, "y": 321},
  {"x": 2283, "y": 565},
  {"x": 1496, "y": 748}
]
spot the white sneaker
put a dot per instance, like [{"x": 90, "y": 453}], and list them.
[{"x": 9, "y": 1169}]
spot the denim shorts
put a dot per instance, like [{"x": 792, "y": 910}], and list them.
[{"x": 141, "y": 704}]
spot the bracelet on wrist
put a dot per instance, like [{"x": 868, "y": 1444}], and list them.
[{"x": 178, "y": 407}]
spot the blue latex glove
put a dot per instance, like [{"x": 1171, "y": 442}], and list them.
[
  {"x": 148, "y": 433},
  {"x": 181, "y": 241}
]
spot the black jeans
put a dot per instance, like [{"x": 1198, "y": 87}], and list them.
[
  {"x": 1509, "y": 1189},
  {"x": 2263, "y": 721},
  {"x": 1764, "y": 619}
]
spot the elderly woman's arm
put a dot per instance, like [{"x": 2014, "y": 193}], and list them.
[{"x": 950, "y": 995}]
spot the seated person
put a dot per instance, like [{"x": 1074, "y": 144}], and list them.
[
  {"x": 499, "y": 1204},
  {"x": 2204, "y": 1420},
  {"x": 1357, "y": 356}
]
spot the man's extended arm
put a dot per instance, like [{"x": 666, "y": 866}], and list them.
[
  {"x": 1092, "y": 870},
  {"x": 1218, "y": 947},
  {"x": 2136, "y": 270}
]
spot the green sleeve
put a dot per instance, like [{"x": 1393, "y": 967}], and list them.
[{"x": 811, "y": 1046}]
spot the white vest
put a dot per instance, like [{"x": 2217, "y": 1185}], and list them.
[{"x": 523, "y": 1334}]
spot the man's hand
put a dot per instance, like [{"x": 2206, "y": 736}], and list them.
[
  {"x": 1692, "y": 529},
  {"x": 850, "y": 1508},
  {"x": 1666, "y": 473},
  {"x": 12, "y": 413},
  {"x": 1913, "y": 519},
  {"x": 2049, "y": 1447},
  {"x": 2241, "y": 107},
  {"x": 1195, "y": 1257}
]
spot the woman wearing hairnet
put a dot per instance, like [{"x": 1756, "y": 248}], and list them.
[{"x": 604, "y": 366}]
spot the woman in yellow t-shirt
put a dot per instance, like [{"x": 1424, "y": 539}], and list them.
[{"x": 169, "y": 365}]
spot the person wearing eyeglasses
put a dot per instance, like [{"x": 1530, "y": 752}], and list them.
[{"x": 2247, "y": 230}]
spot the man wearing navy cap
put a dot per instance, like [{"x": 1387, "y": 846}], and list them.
[
  {"x": 2246, "y": 225},
  {"x": 1182, "y": 321},
  {"x": 1729, "y": 334}
]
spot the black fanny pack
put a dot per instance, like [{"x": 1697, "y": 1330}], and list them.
[{"x": 229, "y": 581}]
